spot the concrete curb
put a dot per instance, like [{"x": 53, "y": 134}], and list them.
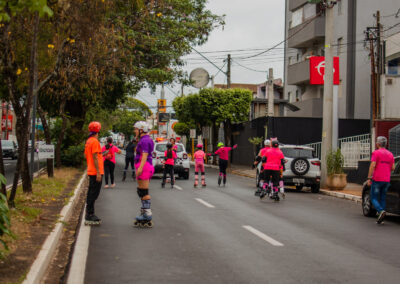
[
  {"x": 351, "y": 197},
  {"x": 46, "y": 253}
]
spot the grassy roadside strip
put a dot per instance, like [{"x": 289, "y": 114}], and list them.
[{"x": 33, "y": 218}]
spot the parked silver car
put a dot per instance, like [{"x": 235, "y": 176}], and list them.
[{"x": 182, "y": 164}]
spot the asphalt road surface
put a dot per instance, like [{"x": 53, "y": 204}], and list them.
[
  {"x": 227, "y": 235},
  {"x": 10, "y": 165}
]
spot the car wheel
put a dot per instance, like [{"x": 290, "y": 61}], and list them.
[
  {"x": 368, "y": 209},
  {"x": 300, "y": 166},
  {"x": 315, "y": 188},
  {"x": 299, "y": 187}
]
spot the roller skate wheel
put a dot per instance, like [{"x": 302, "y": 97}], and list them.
[{"x": 148, "y": 224}]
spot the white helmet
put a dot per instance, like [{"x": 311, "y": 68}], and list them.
[
  {"x": 142, "y": 125},
  {"x": 267, "y": 142}
]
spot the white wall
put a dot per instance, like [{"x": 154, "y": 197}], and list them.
[{"x": 390, "y": 107}]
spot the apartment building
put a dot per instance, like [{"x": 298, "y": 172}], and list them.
[{"x": 305, "y": 30}]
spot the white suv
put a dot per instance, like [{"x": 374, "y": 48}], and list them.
[
  {"x": 303, "y": 168},
  {"x": 182, "y": 164}
]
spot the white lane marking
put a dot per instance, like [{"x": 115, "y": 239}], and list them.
[
  {"x": 79, "y": 257},
  {"x": 178, "y": 187},
  {"x": 263, "y": 236},
  {"x": 205, "y": 203}
]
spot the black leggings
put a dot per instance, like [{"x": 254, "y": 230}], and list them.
[
  {"x": 109, "y": 170},
  {"x": 168, "y": 169},
  {"x": 130, "y": 161},
  {"x": 92, "y": 194},
  {"x": 223, "y": 164}
]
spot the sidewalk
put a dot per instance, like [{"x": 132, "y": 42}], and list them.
[{"x": 352, "y": 191}]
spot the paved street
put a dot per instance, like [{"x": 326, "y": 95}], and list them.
[
  {"x": 10, "y": 165},
  {"x": 227, "y": 235}
]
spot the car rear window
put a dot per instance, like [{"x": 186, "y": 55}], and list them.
[
  {"x": 7, "y": 143},
  {"x": 298, "y": 152},
  {"x": 163, "y": 148}
]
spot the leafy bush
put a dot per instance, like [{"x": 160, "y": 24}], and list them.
[
  {"x": 334, "y": 162},
  {"x": 4, "y": 219},
  {"x": 73, "y": 156}
]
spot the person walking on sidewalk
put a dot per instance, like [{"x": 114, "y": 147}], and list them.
[
  {"x": 170, "y": 157},
  {"x": 144, "y": 172},
  {"x": 382, "y": 164},
  {"x": 130, "y": 158},
  {"x": 95, "y": 171},
  {"x": 109, "y": 151}
]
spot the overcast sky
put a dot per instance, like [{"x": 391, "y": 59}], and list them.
[{"x": 251, "y": 27}]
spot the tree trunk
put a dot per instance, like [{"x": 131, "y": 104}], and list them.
[
  {"x": 3, "y": 186},
  {"x": 61, "y": 134},
  {"x": 47, "y": 135}
]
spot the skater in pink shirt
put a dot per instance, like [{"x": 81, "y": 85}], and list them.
[
  {"x": 199, "y": 157},
  {"x": 223, "y": 153}
]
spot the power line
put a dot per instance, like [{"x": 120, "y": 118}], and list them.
[
  {"x": 208, "y": 60},
  {"x": 248, "y": 68}
]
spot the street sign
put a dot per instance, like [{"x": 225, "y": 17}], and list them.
[
  {"x": 46, "y": 151},
  {"x": 317, "y": 70},
  {"x": 163, "y": 117},
  {"x": 162, "y": 105},
  {"x": 192, "y": 133},
  {"x": 9, "y": 122}
]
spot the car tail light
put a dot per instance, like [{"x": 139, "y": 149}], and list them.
[
  {"x": 316, "y": 163},
  {"x": 154, "y": 155},
  {"x": 184, "y": 156}
]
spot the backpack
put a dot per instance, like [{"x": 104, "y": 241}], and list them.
[{"x": 109, "y": 155}]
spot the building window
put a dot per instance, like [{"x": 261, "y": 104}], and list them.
[
  {"x": 339, "y": 46},
  {"x": 302, "y": 14},
  {"x": 297, "y": 96},
  {"x": 297, "y": 17}
]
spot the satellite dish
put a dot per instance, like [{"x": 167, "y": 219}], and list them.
[{"x": 199, "y": 77}]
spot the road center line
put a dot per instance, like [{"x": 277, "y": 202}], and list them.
[
  {"x": 205, "y": 203},
  {"x": 178, "y": 187},
  {"x": 263, "y": 236}
]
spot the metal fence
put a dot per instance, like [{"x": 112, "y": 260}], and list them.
[{"x": 354, "y": 149}]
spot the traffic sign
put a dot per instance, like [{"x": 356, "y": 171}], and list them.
[
  {"x": 46, "y": 151},
  {"x": 192, "y": 133},
  {"x": 162, "y": 105}
]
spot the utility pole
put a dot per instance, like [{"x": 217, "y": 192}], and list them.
[
  {"x": 379, "y": 63},
  {"x": 269, "y": 89},
  {"x": 228, "y": 72},
  {"x": 327, "y": 120}
]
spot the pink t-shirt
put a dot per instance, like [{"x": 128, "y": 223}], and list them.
[
  {"x": 199, "y": 156},
  {"x": 384, "y": 162},
  {"x": 172, "y": 160},
  {"x": 223, "y": 153},
  {"x": 274, "y": 159},
  {"x": 112, "y": 151}
]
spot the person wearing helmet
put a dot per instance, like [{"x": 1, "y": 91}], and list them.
[
  {"x": 109, "y": 150},
  {"x": 170, "y": 157},
  {"x": 144, "y": 172},
  {"x": 261, "y": 158},
  {"x": 95, "y": 171},
  {"x": 274, "y": 161},
  {"x": 223, "y": 154},
  {"x": 199, "y": 158},
  {"x": 382, "y": 164}
]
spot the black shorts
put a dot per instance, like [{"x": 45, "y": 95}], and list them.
[{"x": 273, "y": 176}]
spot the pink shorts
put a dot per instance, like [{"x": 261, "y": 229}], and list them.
[
  {"x": 147, "y": 173},
  {"x": 199, "y": 167}
]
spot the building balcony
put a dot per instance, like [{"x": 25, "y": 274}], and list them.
[
  {"x": 294, "y": 4},
  {"x": 303, "y": 37},
  {"x": 299, "y": 73}
]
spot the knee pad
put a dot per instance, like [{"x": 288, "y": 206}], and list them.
[
  {"x": 203, "y": 173},
  {"x": 196, "y": 173},
  {"x": 142, "y": 192}
]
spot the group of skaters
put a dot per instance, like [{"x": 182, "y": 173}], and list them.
[{"x": 272, "y": 167}]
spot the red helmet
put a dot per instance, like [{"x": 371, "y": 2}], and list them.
[{"x": 94, "y": 126}]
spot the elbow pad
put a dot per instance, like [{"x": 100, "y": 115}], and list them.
[
  {"x": 264, "y": 159},
  {"x": 258, "y": 159}
]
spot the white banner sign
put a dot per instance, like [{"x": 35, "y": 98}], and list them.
[
  {"x": 193, "y": 133},
  {"x": 46, "y": 152}
]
